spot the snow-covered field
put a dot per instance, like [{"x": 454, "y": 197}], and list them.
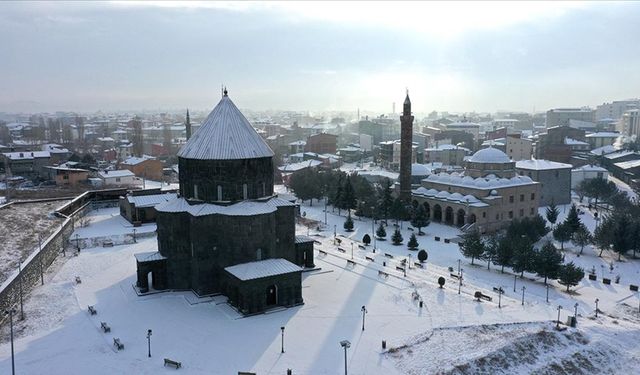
[{"x": 451, "y": 333}]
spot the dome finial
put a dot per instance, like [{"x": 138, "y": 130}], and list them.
[{"x": 225, "y": 92}]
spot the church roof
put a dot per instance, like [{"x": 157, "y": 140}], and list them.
[
  {"x": 225, "y": 135},
  {"x": 490, "y": 155},
  {"x": 262, "y": 268}
]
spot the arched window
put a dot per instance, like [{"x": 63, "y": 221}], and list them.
[
  {"x": 244, "y": 191},
  {"x": 195, "y": 191},
  {"x": 259, "y": 254},
  {"x": 219, "y": 192}
]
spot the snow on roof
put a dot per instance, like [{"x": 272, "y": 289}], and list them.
[
  {"x": 262, "y": 268},
  {"x": 54, "y": 148},
  {"x": 304, "y": 239},
  {"x": 446, "y": 147},
  {"x": 494, "y": 142},
  {"x": 628, "y": 164},
  {"x": 243, "y": 208},
  {"x": 619, "y": 154},
  {"x": 113, "y": 174},
  {"x": 603, "y": 135},
  {"x": 298, "y": 143},
  {"x": 225, "y": 135},
  {"x": 106, "y": 139},
  {"x": 604, "y": 150},
  {"x": 420, "y": 170},
  {"x": 482, "y": 183},
  {"x": 489, "y": 155},
  {"x": 149, "y": 256},
  {"x": 540, "y": 165},
  {"x": 136, "y": 160},
  {"x": 299, "y": 166},
  {"x": 153, "y": 200},
  {"x": 26, "y": 155},
  {"x": 382, "y": 173},
  {"x": 463, "y": 125},
  {"x": 589, "y": 168},
  {"x": 446, "y": 196},
  {"x": 575, "y": 142}
]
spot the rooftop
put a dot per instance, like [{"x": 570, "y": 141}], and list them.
[
  {"x": 490, "y": 155},
  {"x": 603, "y": 135},
  {"x": 225, "y": 135},
  {"x": 262, "y": 268},
  {"x": 628, "y": 164},
  {"x": 153, "y": 200},
  {"x": 242, "y": 208},
  {"x": 540, "y": 165},
  {"x": 114, "y": 174}
]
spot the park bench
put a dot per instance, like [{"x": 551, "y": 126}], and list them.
[
  {"x": 479, "y": 296},
  {"x": 317, "y": 242},
  {"x": 388, "y": 255},
  {"x": 172, "y": 363},
  {"x": 351, "y": 263},
  {"x": 361, "y": 247},
  {"x": 78, "y": 280},
  {"x": 342, "y": 250},
  {"x": 436, "y": 238},
  {"x": 107, "y": 243},
  {"x": 369, "y": 258},
  {"x": 606, "y": 281},
  {"x": 118, "y": 344},
  {"x": 105, "y": 327},
  {"x": 322, "y": 252},
  {"x": 400, "y": 268},
  {"x": 92, "y": 310},
  {"x": 383, "y": 274},
  {"x": 633, "y": 288},
  {"x": 498, "y": 290},
  {"x": 418, "y": 264},
  {"x": 411, "y": 229},
  {"x": 455, "y": 276},
  {"x": 447, "y": 240}
]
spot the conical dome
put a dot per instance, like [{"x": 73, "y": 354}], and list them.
[{"x": 225, "y": 135}]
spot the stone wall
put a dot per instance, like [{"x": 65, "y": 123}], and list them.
[{"x": 250, "y": 297}]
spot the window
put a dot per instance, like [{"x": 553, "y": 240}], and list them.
[
  {"x": 484, "y": 215},
  {"x": 599, "y": 174},
  {"x": 533, "y": 196},
  {"x": 510, "y": 214},
  {"x": 65, "y": 177},
  {"x": 521, "y": 212},
  {"x": 557, "y": 174},
  {"x": 259, "y": 254},
  {"x": 117, "y": 179},
  {"x": 195, "y": 191},
  {"x": 219, "y": 192},
  {"x": 511, "y": 199},
  {"x": 244, "y": 191},
  {"x": 521, "y": 197},
  {"x": 531, "y": 211},
  {"x": 497, "y": 216}
]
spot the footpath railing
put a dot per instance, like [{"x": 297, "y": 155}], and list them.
[{"x": 21, "y": 281}]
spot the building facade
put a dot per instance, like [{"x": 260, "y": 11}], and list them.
[
  {"x": 554, "y": 179},
  {"x": 226, "y": 232},
  {"x": 561, "y": 116}
]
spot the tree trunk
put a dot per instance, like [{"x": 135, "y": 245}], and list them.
[
  {"x": 521, "y": 274},
  {"x": 568, "y": 288},
  {"x": 311, "y": 202},
  {"x": 502, "y": 269},
  {"x": 545, "y": 279},
  {"x": 601, "y": 250},
  {"x": 472, "y": 261},
  {"x": 619, "y": 256},
  {"x": 489, "y": 264},
  {"x": 581, "y": 248}
]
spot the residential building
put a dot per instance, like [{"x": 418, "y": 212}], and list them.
[
  {"x": 616, "y": 109},
  {"x": 28, "y": 164},
  {"x": 139, "y": 206},
  {"x": 630, "y": 124},
  {"x": 122, "y": 177},
  {"x": 557, "y": 143},
  {"x": 600, "y": 139},
  {"x": 554, "y": 179},
  {"x": 65, "y": 176},
  {"x": 465, "y": 126},
  {"x": 146, "y": 167},
  {"x": 446, "y": 154},
  {"x": 322, "y": 143},
  {"x": 587, "y": 172},
  {"x": 561, "y": 116}
]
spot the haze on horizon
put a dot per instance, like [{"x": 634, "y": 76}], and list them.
[{"x": 317, "y": 56}]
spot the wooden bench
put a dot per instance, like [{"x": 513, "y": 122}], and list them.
[
  {"x": 118, "y": 344},
  {"x": 411, "y": 229},
  {"x": 446, "y": 240},
  {"x": 361, "y": 247},
  {"x": 369, "y": 258},
  {"x": 455, "y": 276},
  {"x": 173, "y": 363},
  {"x": 105, "y": 327},
  {"x": 78, "y": 280},
  {"x": 633, "y": 288},
  {"x": 436, "y": 238},
  {"x": 383, "y": 274},
  {"x": 322, "y": 252},
  {"x": 317, "y": 242},
  {"x": 418, "y": 264},
  {"x": 92, "y": 310},
  {"x": 498, "y": 290},
  {"x": 478, "y": 295},
  {"x": 388, "y": 255},
  {"x": 606, "y": 281},
  {"x": 400, "y": 268},
  {"x": 342, "y": 250},
  {"x": 351, "y": 263}
]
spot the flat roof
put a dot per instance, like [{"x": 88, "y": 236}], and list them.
[
  {"x": 262, "y": 268},
  {"x": 538, "y": 164}
]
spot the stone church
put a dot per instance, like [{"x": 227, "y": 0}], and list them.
[{"x": 226, "y": 232}]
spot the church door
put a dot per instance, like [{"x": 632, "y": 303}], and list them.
[{"x": 272, "y": 295}]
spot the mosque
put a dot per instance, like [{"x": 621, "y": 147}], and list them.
[{"x": 226, "y": 232}]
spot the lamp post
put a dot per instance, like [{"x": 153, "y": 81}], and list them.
[
  {"x": 351, "y": 250},
  {"x": 20, "y": 277},
  {"x": 515, "y": 277},
  {"x": 558, "y": 322},
  {"x": 134, "y": 235},
  {"x": 364, "y": 311},
  {"x": 500, "y": 293},
  {"x": 547, "y": 293},
  {"x": 10, "y": 312},
  {"x": 282, "y": 339},
  {"x": 334, "y": 234},
  {"x": 325, "y": 211},
  {"x": 460, "y": 280},
  {"x": 78, "y": 242},
  {"x": 597, "y": 300},
  {"x": 149, "y": 341},
  {"x": 575, "y": 313},
  {"x": 346, "y": 345},
  {"x": 458, "y": 267},
  {"x": 523, "y": 289}
]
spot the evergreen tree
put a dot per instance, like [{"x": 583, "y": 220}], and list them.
[
  {"x": 366, "y": 239},
  {"x": 603, "y": 235},
  {"x": 381, "y": 233},
  {"x": 621, "y": 241},
  {"x": 386, "y": 200},
  {"x": 413, "y": 242},
  {"x": 348, "y": 198},
  {"x": 504, "y": 255},
  {"x": 491, "y": 245},
  {"x": 547, "y": 262},
  {"x": 562, "y": 233},
  {"x": 420, "y": 219},
  {"x": 348, "y": 224},
  {"x": 582, "y": 237},
  {"x": 337, "y": 194},
  {"x": 573, "y": 221},
  {"x": 398, "y": 210},
  {"x": 396, "y": 238},
  {"x": 471, "y": 245},
  {"x": 523, "y": 256},
  {"x": 422, "y": 256},
  {"x": 552, "y": 213},
  {"x": 570, "y": 275}
]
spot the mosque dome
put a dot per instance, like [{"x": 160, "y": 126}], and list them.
[{"x": 490, "y": 155}]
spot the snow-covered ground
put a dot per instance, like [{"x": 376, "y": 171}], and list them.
[{"x": 451, "y": 333}]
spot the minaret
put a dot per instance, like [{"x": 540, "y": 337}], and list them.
[
  {"x": 406, "y": 143},
  {"x": 187, "y": 125}
]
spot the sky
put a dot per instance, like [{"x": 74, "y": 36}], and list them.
[{"x": 457, "y": 56}]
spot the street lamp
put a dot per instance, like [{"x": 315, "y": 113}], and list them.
[
  {"x": 500, "y": 293},
  {"x": 597, "y": 300},
  {"x": 458, "y": 267},
  {"x": 364, "y": 311},
  {"x": 134, "y": 235},
  {"x": 558, "y": 322},
  {"x": 460, "y": 280},
  {"x": 351, "y": 250},
  {"x": 523, "y": 289},
  {"x": 334, "y": 234},
  {"x": 515, "y": 277},
  {"x": 575, "y": 313},
  {"x": 149, "y": 341},
  {"x": 10, "y": 312},
  {"x": 346, "y": 345},
  {"x": 78, "y": 242},
  {"x": 20, "y": 277},
  {"x": 282, "y": 341},
  {"x": 547, "y": 293}
]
